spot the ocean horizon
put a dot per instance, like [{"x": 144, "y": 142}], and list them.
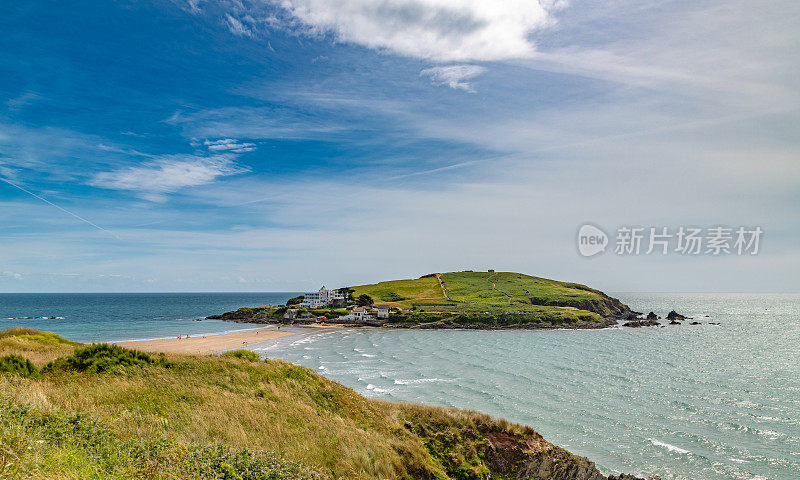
[{"x": 107, "y": 317}]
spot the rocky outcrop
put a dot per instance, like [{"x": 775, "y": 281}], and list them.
[
  {"x": 521, "y": 458},
  {"x": 673, "y": 315},
  {"x": 603, "y": 305},
  {"x": 641, "y": 323},
  {"x": 652, "y": 316},
  {"x": 251, "y": 315},
  {"x": 448, "y": 324}
]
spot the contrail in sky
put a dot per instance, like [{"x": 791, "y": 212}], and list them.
[{"x": 60, "y": 208}]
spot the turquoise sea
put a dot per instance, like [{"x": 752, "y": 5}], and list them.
[
  {"x": 703, "y": 402},
  {"x": 97, "y": 317}
]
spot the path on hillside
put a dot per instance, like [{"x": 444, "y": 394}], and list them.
[
  {"x": 441, "y": 284},
  {"x": 494, "y": 286}
]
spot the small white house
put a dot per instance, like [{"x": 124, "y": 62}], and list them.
[
  {"x": 384, "y": 311},
  {"x": 358, "y": 314}
]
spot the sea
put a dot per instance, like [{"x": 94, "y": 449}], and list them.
[{"x": 703, "y": 402}]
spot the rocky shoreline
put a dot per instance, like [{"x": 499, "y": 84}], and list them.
[{"x": 626, "y": 318}]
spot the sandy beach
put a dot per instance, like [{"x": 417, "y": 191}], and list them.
[{"x": 204, "y": 345}]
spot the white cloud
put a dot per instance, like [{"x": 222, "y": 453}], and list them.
[
  {"x": 229, "y": 145},
  {"x": 238, "y": 28},
  {"x": 440, "y": 30},
  {"x": 454, "y": 76},
  {"x": 153, "y": 180}
]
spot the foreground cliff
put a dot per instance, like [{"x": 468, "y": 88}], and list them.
[{"x": 107, "y": 412}]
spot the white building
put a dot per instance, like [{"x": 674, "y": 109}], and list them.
[
  {"x": 384, "y": 311},
  {"x": 359, "y": 315},
  {"x": 322, "y": 298}
]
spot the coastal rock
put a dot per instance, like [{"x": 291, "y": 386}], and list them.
[
  {"x": 695, "y": 323},
  {"x": 625, "y": 476},
  {"x": 641, "y": 323},
  {"x": 518, "y": 457},
  {"x": 673, "y": 315},
  {"x": 674, "y": 322},
  {"x": 652, "y": 316}
]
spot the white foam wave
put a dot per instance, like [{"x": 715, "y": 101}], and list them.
[
  {"x": 419, "y": 380},
  {"x": 671, "y": 448}
]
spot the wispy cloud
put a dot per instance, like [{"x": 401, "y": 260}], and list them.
[
  {"x": 236, "y": 27},
  {"x": 229, "y": 145},
  {"x": 22, "y": 100},
  {"x": 454, "y": 76},
  {"x": 153, "y": 180}
]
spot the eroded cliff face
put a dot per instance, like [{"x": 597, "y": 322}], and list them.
[
  {"x": 473, "y": 446},
  {"x": 535, "y": 458},
  {"x": 604, "y": 305}
]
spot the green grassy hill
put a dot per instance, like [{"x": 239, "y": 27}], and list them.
[
  {"x": 476, "y": 294},
  {"x": 471, "y": 300},
  {"x": 104, "y": 412}
]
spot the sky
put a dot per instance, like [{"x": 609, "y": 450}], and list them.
[{"x": 283, "y": 145}]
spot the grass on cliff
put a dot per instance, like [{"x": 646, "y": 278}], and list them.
[
  {"x": 504, "y": 288},
  {"x": 403, "y": 293},
  {"x": 40, "y": 347},
  {"x": 223, "y": 417}
]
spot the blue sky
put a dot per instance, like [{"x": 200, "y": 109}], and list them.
[{"x": 234, "y": 145}]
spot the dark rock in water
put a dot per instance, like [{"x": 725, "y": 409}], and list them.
[
  {"x": 695, "y": 323},
  {"x": 652, "y": 316},
  {"x": 641, "y": 323},
  {"x": 673, "y": 315},
  {"x": 674, "y": 322},
  {"x": 625, "y": 476}
]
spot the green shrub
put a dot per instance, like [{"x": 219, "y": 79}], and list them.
[
  {"x": 102, "y": 358},
  {"x": 243, "y": 354},
  {"x": 364, "y": 300},
  {"x": 18, "y": 365},
  {"x": 390, "y": 296}
]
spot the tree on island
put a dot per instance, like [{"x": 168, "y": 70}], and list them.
[
  {"x": 364, "y": 300},
  {"x": 346, "y": 292}
]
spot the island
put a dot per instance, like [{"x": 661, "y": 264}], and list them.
[{"x": 466, "y": 299}]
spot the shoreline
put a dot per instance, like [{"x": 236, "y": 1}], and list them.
[
  {"x": 205, "y": 344},
  {"x": 172, "y": 337}
]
